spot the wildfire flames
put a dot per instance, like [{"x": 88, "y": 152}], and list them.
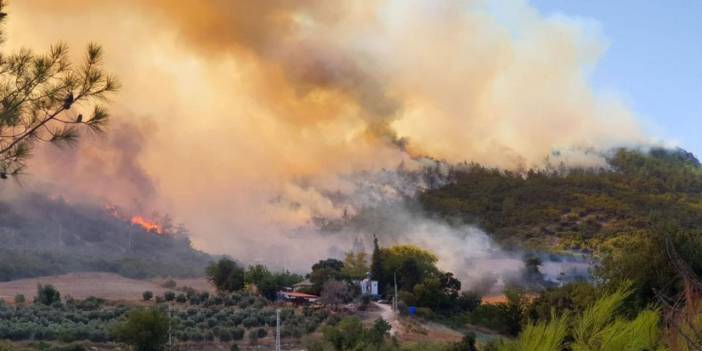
[{"x": 148, "y": 225}]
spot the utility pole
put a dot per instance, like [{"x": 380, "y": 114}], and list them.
[
  {"x": 394, "y": 298},
  {"x": 170, "y": 330},
  {"x": 277, "y": 329}
]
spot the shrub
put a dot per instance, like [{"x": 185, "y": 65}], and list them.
[
  {"x": 181, "y": 298},
  {"x": 226, "y": 275},
  {"x": 224, "y": 336},
  {"x": 144, "y": 330},
  {"x": 237, "y": 333},
  {"x": 47, "y": 295},
  {"x": 147, "y": 295},
  {"x": 251, "y": 321},
  {"x": 72, "y": 347},
  {"x": 169, "y": 296},
  {"x": 261, "y": 332},
  {"x": 20, "y": 299}
]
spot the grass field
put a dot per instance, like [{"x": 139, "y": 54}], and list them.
[{"x": 108, "y": 286}]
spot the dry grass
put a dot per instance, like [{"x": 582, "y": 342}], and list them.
[{"x": 104, "y": 285}]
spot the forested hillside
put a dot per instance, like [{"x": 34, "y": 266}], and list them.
[
  {"x": 623, "y": 213},
  {"x": 44, "y": 236},
  {"x": 576, "y": 208}
]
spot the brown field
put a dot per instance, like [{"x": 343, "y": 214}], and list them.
[{"x": 108, "y": 286}]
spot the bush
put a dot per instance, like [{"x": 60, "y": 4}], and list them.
[
  {"x": 72, "y": 347},
  {"x": 224, "y": 336},
  {"x": 144, "y": 330},
  {"x": 468, "y": 301},
  {"x": 238, "y": 333},
  {"x": 147, "y": 295},
  {"x": 181, "y": 298},
  {"x": 226, "y": 275},
  {"x": 169, "y": 296},
  {"x": 20, "y": 299},
  {"x": 47, "y": 295},
  {"x": 251, "y": 321}
]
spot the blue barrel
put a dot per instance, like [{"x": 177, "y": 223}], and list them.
[{"x": 412, "y": 310}]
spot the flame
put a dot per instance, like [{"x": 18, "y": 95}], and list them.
[{"x": 148, "y": 225}]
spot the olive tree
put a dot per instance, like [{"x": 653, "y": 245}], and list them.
[{"x": 144, "y": 330}]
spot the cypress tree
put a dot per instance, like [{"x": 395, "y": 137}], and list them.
[{"x": 377, "y": 266}]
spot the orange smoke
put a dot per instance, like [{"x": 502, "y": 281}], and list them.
[{"x": 148, "y": 225}]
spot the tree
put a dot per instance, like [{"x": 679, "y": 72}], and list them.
[
  {"x": 268, "y": 283},
  {"x": 468, "y": 301},
  {"x": 268, "y": 287},
  {"x": 349, "y": 334},
  {"x": 533, "y": 273},
  {"x": 376, "y": 334},
  {"x": 438, "y": 292},
  {"x": 256, "y": 273},
  {"x": 226, "y": 275},
  {"x": 355, "y": 265},
  {"x": 330, "y": 263},
  {"x": 346, "y": 335},
  {"x": 324, "y": 271},
  {"x": 144, "y": 330},
  {"x": 571, "y": 298},
  {"x": 19, "y": 299},
  {"x": 147, "y": 295},
  {"x": 466, "y": 344},
  {"x": 44, "y": 98},
  {"x": 335, "y": 292},
  {"x": 377, "y": 265},
  {"x": 47, "y": 295}
]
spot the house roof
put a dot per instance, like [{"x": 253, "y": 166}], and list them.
[{"x": 298, "y": 294}]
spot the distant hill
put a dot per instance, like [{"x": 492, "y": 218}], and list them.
[
  {"x": 576, "y": 208},
  {"x": 42, "y": 236}
]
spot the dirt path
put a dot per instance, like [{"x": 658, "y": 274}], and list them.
[{"x": 389, "y": 316}]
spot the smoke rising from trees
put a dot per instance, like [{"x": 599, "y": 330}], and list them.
[{"x": 248, "y": 116}]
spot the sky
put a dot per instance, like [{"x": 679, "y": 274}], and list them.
[{"x": 653, "y": 60}]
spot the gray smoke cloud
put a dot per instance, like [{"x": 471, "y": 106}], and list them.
[{"x": 271, "y": 118}]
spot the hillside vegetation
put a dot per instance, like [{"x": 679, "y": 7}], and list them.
[
  {"x": 576, "y": 208},
  {"x": 45, "y": 236},
  {"x": 623, "y": 213}
]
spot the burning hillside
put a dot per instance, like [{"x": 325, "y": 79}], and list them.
[
  {"x": 147, "y": 225},
  {"x": 293, "y": 96},
  {"x": 44, "y": 236},
  {"x": 154, "y": 224}
]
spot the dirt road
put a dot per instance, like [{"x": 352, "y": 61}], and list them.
[{"x": 389, "y": 316}]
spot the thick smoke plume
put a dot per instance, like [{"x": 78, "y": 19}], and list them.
[{"x": 260, "y": 111}]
